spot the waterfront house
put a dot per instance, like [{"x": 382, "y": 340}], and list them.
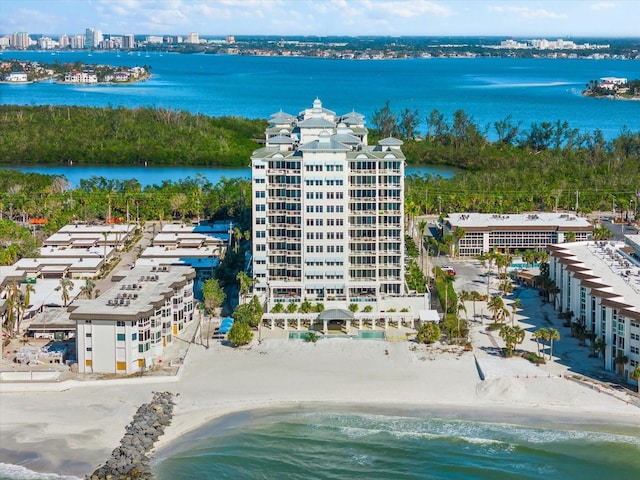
[{"x": 16, "y": 77}]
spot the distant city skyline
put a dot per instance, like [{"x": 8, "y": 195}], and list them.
[{"x": 515, "y": 18}]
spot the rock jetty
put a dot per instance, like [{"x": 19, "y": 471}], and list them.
[{"x": 129, "y": 460}]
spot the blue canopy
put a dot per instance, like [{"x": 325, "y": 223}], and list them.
[{"x": 225, "y": 325}]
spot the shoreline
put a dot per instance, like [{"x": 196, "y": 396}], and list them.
[
  {"x": 50, "y": 431},
  {"x": 487, "y": 414},
  {"x": 74, "y": 431}
]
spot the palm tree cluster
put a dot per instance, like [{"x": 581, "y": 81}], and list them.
[
  {"x": 512, "y": 337},
  {"x": 17, "y": 303},
  {"x": 472, "y": 296},
  {"x": 498, "y": 309},
  {"x": 543, "y": 335},
  {"x": 305, "y": 307}
]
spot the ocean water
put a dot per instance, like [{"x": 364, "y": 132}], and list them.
[
  {"x": 488, "y": 89},
  {"x": 334, "y": 444}
]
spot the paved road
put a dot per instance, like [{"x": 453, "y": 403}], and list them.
[
  {"x": 619, "y": 229},
  {"x": 126, "y": 258}
]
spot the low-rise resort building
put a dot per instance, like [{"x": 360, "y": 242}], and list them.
[
  {"x": 127, "y": 328},
  {"x": 599, "y": 285},
  {"x": 484, "y": 232}
]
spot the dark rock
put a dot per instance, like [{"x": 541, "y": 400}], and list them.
[{"x": 129, "y": 460}]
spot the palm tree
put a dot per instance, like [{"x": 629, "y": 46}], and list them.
[
  {"x": 87, "y": 288},
  {"x": 458, "y": 234},
  {"x": 488, "y": 259},
  {"x": 245, "y": 283},
  {"x": 554, "y": 291},
  {"x": 528, "y": 257},
  {"x": 238, "y": 235},
  {"x": 278, "y": 308},
  {"x": 505, "y": 287},
  {"x": 464, "y": 296},
  {"x": 621, "y": 360},
  {"x": 543, "y": 256},
  {"x": 496, "y": 307},
  {"x": 28, "y": 289},
  {"x": 422, "y": 228},
  {"x": 635, "y": 374},
  {"x": 65, "y": 286},
  {"x": 553, "y": 335},
  {"x": 292, "y": 308},
  {"x": 448, "y": 279},
  {"x": 540, "y": 334},
  {"x": 448, "y": 242},
  {"x": 514, "y": 308},
  {"x": 105, "y": 235},
  {"x": 512, "y": 337},
  {"x": 475, "y": 297}
]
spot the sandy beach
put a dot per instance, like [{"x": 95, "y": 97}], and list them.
[{"x": 73, "y": 431}]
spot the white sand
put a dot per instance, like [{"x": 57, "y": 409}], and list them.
[{"x": 75, "y": 430}]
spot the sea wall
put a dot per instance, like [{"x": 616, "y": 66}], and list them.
[{"x": 129, "y": 460}]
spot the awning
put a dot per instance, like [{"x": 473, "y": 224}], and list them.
[
  {"x": 226, "y": 324},
  {"x": 336, "y": 314},
  {"x": 429, "y": 315}
]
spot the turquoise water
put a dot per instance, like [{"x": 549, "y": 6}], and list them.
[
  {"x": 488, "y": 89},
  {"x": 372, "y": 335},
  {"x": 341, "y": 445},
  {"x": 362, "y": 335},
  {"x": 523, "y": 265}
]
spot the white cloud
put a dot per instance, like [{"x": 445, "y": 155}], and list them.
[
  {"x": 602, "y": 6},
  {"x": 528, "y": 13},
  {"x": 407, "y": 8}
]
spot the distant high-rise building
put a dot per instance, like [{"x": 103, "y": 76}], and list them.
[
  {"x": 231, "y": 39},
  {"x": 192, "y": 38},
  {"x": 93, "y": 38},
  {"x": 20, "y": 40},
  {"x": 46, "y": 43},
  {"x": 78, "y": 42},
  {"x": 63, "y": 41},
  {"x": 128, "y": 41}
]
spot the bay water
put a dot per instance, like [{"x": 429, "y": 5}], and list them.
[
  {"x": 147, "y": 176},
  {"x": 488, "y": 89},
  {"x": 326, "y": 443}
]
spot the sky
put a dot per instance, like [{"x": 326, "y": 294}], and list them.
[{"x": 508, "y": 18}]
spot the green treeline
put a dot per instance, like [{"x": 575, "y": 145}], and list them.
[
  {"x": 25, "y": 196},
  {"x": 542, "y": 166},
  {"x": 51, "y": 134}
]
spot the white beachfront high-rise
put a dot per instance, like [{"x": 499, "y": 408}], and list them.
[{"x": 328, "y": 210}]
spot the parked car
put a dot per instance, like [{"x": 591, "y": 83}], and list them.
[{"x": 449, "y": 269}]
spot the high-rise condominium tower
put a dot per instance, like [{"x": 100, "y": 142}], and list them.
[{"x": 328, "y": 211}]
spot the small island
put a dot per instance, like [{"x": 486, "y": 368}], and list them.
[
  {"x": 613, "y": 87},
  {"x": 15, "y": 71}
]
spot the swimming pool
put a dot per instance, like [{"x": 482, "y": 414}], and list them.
[{"x": 362, "y": 335}]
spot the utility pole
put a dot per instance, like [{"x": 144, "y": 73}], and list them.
[
  {"x": 577, "y": 196},
  {"x": 426, "y": 201},
  {"x": 613, "y": 206}
]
